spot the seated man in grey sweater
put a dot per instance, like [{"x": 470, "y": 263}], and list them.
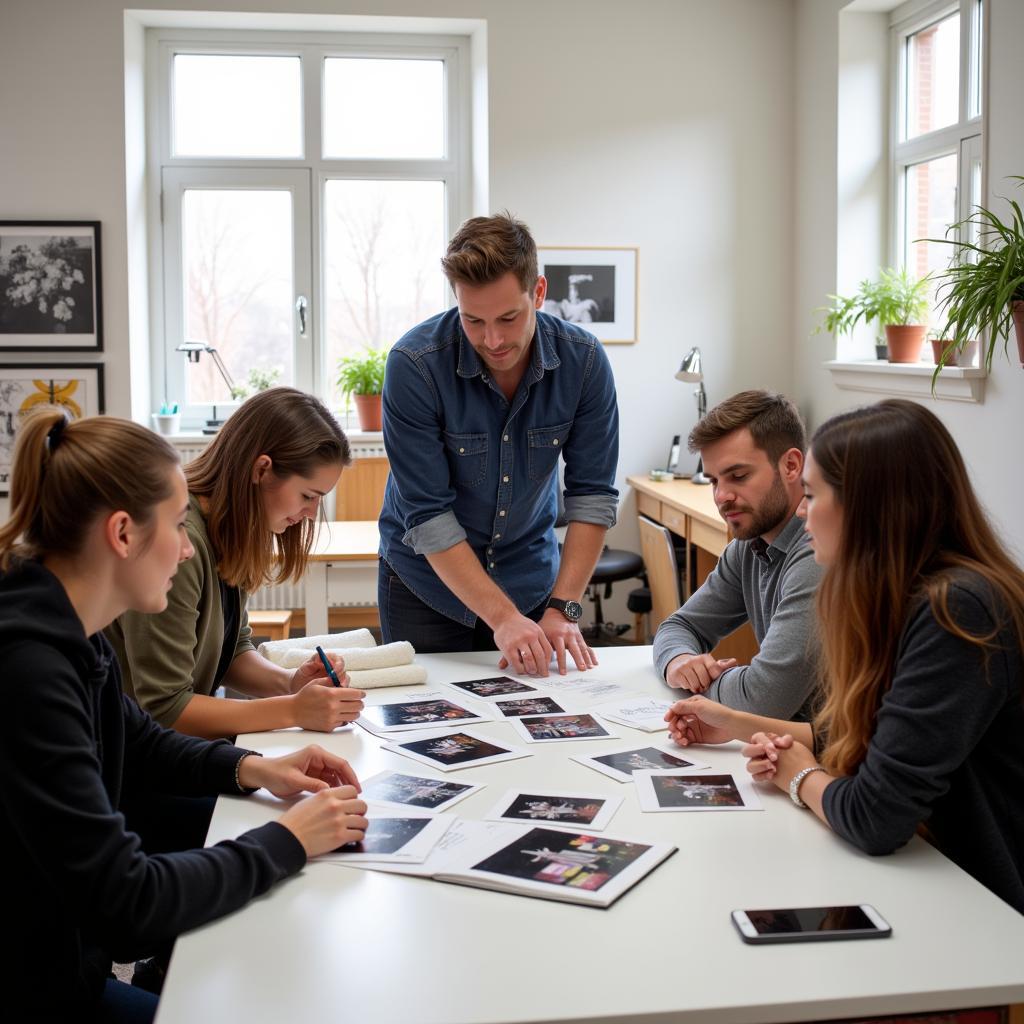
[{"x": 752, "y": 446}]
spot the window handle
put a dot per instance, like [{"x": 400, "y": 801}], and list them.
[{"x": 301, "y": 305}]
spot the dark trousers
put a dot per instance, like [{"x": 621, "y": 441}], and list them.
[
  {"x": 403, "y": 616},
  {"x": 122, "y": 1004}
]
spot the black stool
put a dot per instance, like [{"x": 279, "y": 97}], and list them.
[{"x": 612, "y": 566}]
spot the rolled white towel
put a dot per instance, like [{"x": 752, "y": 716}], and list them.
[
  {"x": 356, "y": 658},
  {"x": 400, "y": 675},
  {"x": 362, "y": 638}
]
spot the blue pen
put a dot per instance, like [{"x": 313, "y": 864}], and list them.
[{"x": 328, "y": 667}]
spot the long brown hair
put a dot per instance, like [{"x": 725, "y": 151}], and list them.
[
  {"x": 66, "y": 473},
  {"x": 299, "y": 435},
  {"x": 911, "y": 521}
]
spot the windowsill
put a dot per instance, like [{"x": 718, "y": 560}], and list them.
[
  {"x": 909, "y": 380},
  {"x": 355, "y": 437}
]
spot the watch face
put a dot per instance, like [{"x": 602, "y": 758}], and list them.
[{"x": 573, "y": 610}]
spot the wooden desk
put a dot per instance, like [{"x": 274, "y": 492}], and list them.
[
  {"x": 340, "y": 944},
  {"x": 351, "y": 548},
  {"x": 689, "y": 511}
]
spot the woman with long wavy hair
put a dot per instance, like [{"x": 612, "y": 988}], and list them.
[
  {"x": 921, "y": 616},
  {"x": 254, "y": 495}
]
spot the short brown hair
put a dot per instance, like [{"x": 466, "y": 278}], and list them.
[
  {"x": 772, "y": 419},
  {"x": 67, "y": 473},
  {"x": 486, "y": 248},
  {"x": 299, "y": 435}
]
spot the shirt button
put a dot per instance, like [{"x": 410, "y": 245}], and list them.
[
  {"x": 505, "y": 479},
  {"x": 505, "y": 438},
  {"x": 555, "y": 441},
  {"x": 492, "y": 565},
  {"x": 462, "y": 451},
  {"x": 497, "y": 536},
  {"x": 502, "y": 512},
  {"x": 490, "y": 551}
]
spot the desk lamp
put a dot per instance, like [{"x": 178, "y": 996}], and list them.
[
  {"x": 691, "y": 371},
  {"x": 193, "y": 350}
]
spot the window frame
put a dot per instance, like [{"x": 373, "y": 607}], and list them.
[
  {"x": 964, "y": 138},
  {"x": 454, "y": 168}
]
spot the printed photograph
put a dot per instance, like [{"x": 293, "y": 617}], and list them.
[
  {"x": 574, "y": 860},
  {"x": 563, "y": 727},
  {"x": 49, "y": 286},
  {"x": 422, "y": 712},
  {"x": 529, "y": 706},
  {"x": 459, "y": 748},
  {"x": 696, "y": 791},
  {"x": 643, "y": 759},
  {"x": 564, "y": 809},
  {"x": 414, "y": 791},
  {"x": 387, "y": 835},
  {"x": 494, "y": 687}
]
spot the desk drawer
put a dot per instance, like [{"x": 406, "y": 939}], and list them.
[
  {"x": 648, "y": 506},
  {"x": 673, "y": 519},
  {"x": 707, "y": 537}
]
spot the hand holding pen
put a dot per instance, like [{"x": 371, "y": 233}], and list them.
[{"x": 321, "y": 703}]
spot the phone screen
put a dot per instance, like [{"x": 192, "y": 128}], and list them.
[{"x": 810, "y": 919}]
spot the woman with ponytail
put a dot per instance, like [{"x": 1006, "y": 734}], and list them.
[
  {"x": 921, "y": 616},
  {"x": 254, "y": 495},
  {"x": 97, "y": 527}
]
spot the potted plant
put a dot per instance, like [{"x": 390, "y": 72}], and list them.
[
  {"x": 258, "y": 380},
  {"x": 896, "y": 301},
  {"x": 362, "y": 378},
  {"x": 982, "y": 291}
]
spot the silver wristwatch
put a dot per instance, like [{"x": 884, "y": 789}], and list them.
[{"x": 794, "y": 783}]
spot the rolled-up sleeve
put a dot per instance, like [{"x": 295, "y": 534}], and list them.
[
  {"x": 414, "y": 442},
  {"x": 592, "y": 452}
]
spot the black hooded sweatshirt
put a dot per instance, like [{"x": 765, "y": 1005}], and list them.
[{"x": 79, "y": 890}]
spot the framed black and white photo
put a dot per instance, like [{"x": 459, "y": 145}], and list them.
[
  {"x": 50, "y": 286},
  {"x": 24, "y": 386},
  {"x": 595, "y": 288}
]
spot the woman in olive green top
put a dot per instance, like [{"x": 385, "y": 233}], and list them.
[{"x": 254, "y": 494}]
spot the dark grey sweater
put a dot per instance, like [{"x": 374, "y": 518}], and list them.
[{"x": 947, "y": 749}]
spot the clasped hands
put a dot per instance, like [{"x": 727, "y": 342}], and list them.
[{"x": 771, "y": 757}]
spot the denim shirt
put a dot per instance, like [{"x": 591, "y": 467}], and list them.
[{"x": 467, "y": 464}]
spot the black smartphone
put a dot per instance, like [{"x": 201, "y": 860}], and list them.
[{"x": 811, "y": 924}]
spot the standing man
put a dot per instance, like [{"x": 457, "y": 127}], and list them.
[
  {"x": 753, "y": 448},
  {"x": 479, "y": 403}
]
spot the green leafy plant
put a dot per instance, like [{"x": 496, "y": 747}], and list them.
[
  {"x": 362, "y": 375},
  {"x": 984, "y": 279},
  {"x": 894, "y": 298},
  {"x": 258, "y": 380}
]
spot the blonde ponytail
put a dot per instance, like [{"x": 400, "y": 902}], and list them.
[{"x": 66, "y": 473}]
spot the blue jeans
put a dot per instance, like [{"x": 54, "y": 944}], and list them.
[
  {"x": 403, "y": 616},
  {"x": 122, "y": 1004}
]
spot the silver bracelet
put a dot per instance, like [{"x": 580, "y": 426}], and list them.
[{"x": 794, "y": 783}]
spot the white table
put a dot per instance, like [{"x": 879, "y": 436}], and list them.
[
  {"x": 344, "y": 554},
  {"x": 340, "y": 944}
]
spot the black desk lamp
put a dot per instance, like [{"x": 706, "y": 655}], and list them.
[
  {"x": 691, "y": 371},
  {"x": 193, "y": 350}
]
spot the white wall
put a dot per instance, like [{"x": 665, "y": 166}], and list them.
[
  {"x": 988, "y": 434},
  {"x": 665, "y": 124}
]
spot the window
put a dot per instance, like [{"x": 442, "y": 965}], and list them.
[
  {"x": 307, "y": 184},
  {"x": 936, "y": 141}
]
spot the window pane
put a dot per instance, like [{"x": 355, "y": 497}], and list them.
[
  {"x": 933, "y": 77},
  {"x": 237, "y": 106},
  {"x": 382, "y": 272},
  {"x": 931, "y": 209},
  {"x": 237, "y": 256},
  {"x": 383, "y": 108},
  {"x": 977, "y": 50}
]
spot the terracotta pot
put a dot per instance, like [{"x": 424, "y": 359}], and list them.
[
  {"x": 370, "y": 412},
  {"x": 1017, "y": 309},
  {"x": 905, "y": 342},
  {"x": 962, "y": 357}
]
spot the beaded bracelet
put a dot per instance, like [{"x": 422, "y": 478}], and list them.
[{"x": 238, "y": 765}]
